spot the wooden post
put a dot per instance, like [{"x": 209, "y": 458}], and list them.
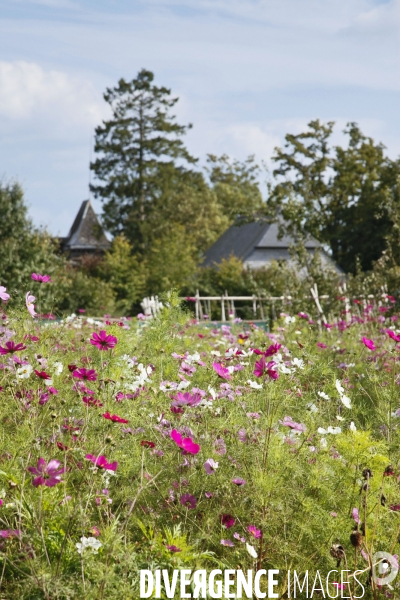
[
  {"x": 314, "y": 294},
  {"x": 197, "y": 305}
]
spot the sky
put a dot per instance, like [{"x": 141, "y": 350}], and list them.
[{"x": 246, "y": 71}]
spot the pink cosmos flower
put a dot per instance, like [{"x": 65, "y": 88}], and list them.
[
  {"x": 186, "y": 399},
  {"x": 102, "y": 341},
  {"x": 29, "y": 300},
  {"x": 355, "y": 515},
  {"x": 288, "y": 422},
  {"x": 40, "y": 278},
  {"x": 3, "y": 295},
  {"x": 47, "y": 473},
  {"x": 221, "y": 370},
  {"x": 321, "y": 345},
  {"x": 254, "y": 531},
  {"x": 101, "y": 462},
  {"x": 9, "y": 533},
  {"x": 227, "y": 521},
  {"x": 114, "y": 418},
  {"x": 368, "y": 343},
  {"x": 228, "y": 543},
  {"x": 85, "y": 374},
  {"x": 239, "y": 481},
  {"x": 340, "y": 586},
  {"x": 188, "y": 500},
  {"x": 210, "y": 466},
  {"x": 11, "y": 347},
  {"x": 186, "y": 444}
]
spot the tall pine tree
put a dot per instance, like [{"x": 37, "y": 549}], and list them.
[{"x": 140, "y": 155}]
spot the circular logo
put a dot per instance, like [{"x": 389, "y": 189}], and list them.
[{"x": 385, "y": 567}]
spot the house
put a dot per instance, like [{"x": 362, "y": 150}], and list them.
[
  {"x": 86, "y": 236},
  {"x": 256, "y": 244}
]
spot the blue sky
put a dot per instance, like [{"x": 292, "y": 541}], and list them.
[{"x": 246, "y": 72}]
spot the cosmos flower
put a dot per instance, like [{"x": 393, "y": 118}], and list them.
[
  {"x": 254, "y": 531},
  {"x": 11, "y": 347},
  {"x": 88, "y": 542},
  {"x": 89, "y": 401},
  {"x": 3, "y": 295},
  {"x": 368, "y": 343},
  {"x": 47, "y": 473},
  {"x": 228, "y": 543},
  {"x": 85, "y": 374},
  {"x": 221, "y": 371},
  {"x": 186, "y": 444},
  {"x": 188, "y": 500},
  {"x": 239, "y": 481},
  {"x": 101, "y": 462},
  {"x": 227, "y": 521},
  {"x": 251, "y": 550},
  {"x": 262, "y": 367},
  {"x": 210, "y": 466},
  {"x": 114, "y": 418},
  {"x": 102, "y": 341},
  {"x": 173, "y": 548},
  {"x": 9, "y": 533},
  {"x": 29, "y": 300},
  {"x": 288, "y": 422},
  {"x": 356, "y": 516},
  {"x": 40, "y": 278}
]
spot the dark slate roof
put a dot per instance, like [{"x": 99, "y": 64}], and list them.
[
  {"x": 241, "y": 240},
  {"x": 86, "y": 232}
]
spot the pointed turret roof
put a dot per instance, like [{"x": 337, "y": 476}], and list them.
[{"x": 86, "y": 233}]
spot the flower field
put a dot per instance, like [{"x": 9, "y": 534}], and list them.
[{"x": 168, "y": 444}]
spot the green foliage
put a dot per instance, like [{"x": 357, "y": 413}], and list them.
[
  {"x": 138, "y": 152},
  {"x": 345, "y": 197},
  {"x": 300, "y": 487}
]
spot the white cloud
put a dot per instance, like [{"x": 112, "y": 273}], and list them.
[{"x": 29, "y": 92}]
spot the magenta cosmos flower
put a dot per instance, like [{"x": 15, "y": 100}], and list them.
[
  {"x": 42, "y": 374},
  {"x": 262, "y": 367},
  {"x": 47, "y": 473},
  {"x": 40, "y": 278},
  {"x": 254, "y": 531},
  {"x": 29, "y": 300},
  {"x": 227, "y": 521},
  {"x": 9, "y": 533},
  {"x": 11, "y": 347},
  {"x": 390, "y": 333},
  {"x": 221, "y": 371},
  {"x": 101, "y": 462},
  {"x": 102, "y": 341},
  {"x": 114, "y": 418},
  {"x": 187, "y": 444},
  {"x": 188, "y": 500},
  {"x": 288, "y": 422},
  {"x": 173, "y": 548},
  {"x": 3, "y": 295},
  {"x": 368, "y": 343},
  {"x": 85, "y": 374}
]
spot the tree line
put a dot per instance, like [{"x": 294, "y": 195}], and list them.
[{"x": 164, "y": 210}]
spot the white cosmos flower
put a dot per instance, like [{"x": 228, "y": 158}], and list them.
[
  {"x": 322, "y": 430},
  {"x": 251, "y": 550},
  {"x": 352, "y": 427},
  {"x": 334, "y": 430},
  {"x": 88, "y": 542},
  {"x": 289, "y": 320},
  {"x": 191, "y": 358},
  {"x": 183, "y": 385},
  {"x": 323, "y": 442},
  {"x": 339, "y": 387},
  {"x": 346, "y": 401},
  {"x": 24, "y": 372},
  {"x": 215, "y": 353},
  {"x": 312, "y": 407},
  {"x": 58, "y": 368},
  {"x": 254, "y": 384},
  {"x": 213, "y": 393},
  {"x": 323, "y": 395},
  {"x": 298, "y": 362},
  {"x": 339, "y": 418}
]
